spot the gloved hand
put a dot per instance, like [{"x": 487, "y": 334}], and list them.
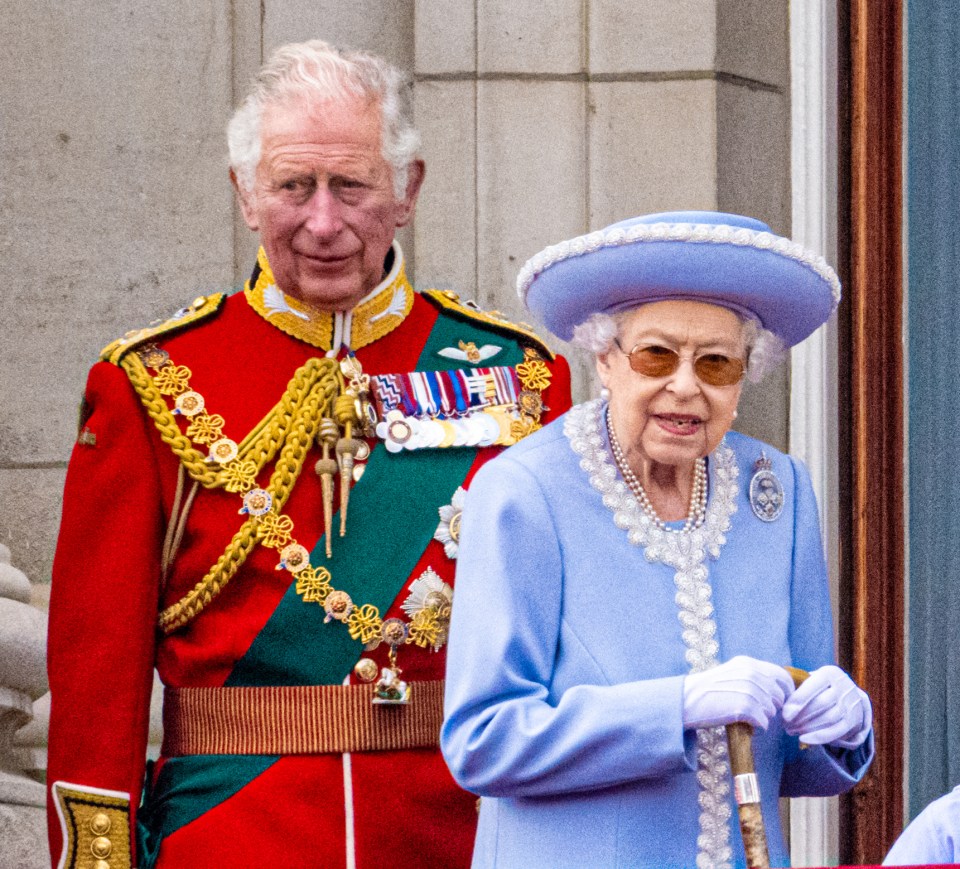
[
  {"x": 742, "y": 689},
  {"x": 829, "y": 709}
]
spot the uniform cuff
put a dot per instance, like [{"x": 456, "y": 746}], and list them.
[{"x": 95, "y": 825}]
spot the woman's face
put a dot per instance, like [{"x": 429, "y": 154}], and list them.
[{"x": 675, "y": 419}]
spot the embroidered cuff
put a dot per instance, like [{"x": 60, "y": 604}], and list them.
[{"x": 95, "y": 825}]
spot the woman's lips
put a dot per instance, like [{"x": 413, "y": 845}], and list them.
[{"x": 681, "y": 424}]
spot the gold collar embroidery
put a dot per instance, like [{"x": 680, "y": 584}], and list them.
[{"x": 377, "y": 314}]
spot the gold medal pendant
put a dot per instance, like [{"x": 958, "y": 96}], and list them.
[{"x": 390, "y": 689}]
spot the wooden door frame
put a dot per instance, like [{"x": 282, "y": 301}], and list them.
[{"x": 871, "y": 388}]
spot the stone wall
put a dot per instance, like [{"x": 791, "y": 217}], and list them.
[
  {"x": 540, "y": 121},
  {"x": 23, "y": 680}
]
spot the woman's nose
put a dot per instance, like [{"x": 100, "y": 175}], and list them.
[{"x": 683, "y": 381}]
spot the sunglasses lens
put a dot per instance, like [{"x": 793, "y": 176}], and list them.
[
  {"x": 654, "y": 361},
  {"x": 718, "y": 370},
  {"x": 714, "y": 369}
]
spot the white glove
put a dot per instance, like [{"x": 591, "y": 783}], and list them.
[
  {"x": 742, "y": 689},
  {"x": 829, "y": 709}
]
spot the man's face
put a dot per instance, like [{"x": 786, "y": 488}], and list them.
[{"x": 323, "y": 199}]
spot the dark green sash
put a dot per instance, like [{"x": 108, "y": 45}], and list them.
[{"x": 186, "y": 788}]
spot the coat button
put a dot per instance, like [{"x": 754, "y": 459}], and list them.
[
  {"x": 101, "y": 847},
  {"x": 100, "y": 824}
]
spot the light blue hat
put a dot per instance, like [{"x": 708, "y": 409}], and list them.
[{"x": 703, "y": 256}]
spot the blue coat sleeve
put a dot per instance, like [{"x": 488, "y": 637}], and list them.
[
  {"x": 932, "y": 837},
  {"x": 817, "y": 770},
  {"x": 507, "y": 731}
]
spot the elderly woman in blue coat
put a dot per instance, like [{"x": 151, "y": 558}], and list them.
[{"x": 635, "y": 576}]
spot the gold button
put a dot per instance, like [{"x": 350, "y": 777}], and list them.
[
  {"x": 100, "y": 824},
  {"x": 101, "y": 864},
  {"x": 366, "y": 669},
  {"x": 199, "y": 302},
  {"x": 101, "y": 847}
]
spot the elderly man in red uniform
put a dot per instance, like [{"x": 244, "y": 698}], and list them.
[{"x": 263, "y": 504}]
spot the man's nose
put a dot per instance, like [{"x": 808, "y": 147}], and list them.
[{"x": 324, "y": 218}]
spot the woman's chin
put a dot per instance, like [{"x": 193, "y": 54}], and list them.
[{"x": 676, "y": 450}]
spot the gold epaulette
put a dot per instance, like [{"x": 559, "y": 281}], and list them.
[
  {"x": 449, "y": 301},
  {"x": 201, "y": 308}
]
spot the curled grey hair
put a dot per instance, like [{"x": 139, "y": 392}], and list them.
[
  {"x": 323, "y": 72},
  {"x": 764, "y": 349}
]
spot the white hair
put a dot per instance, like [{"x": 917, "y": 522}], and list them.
[
  {"x": 765, "y": 350},
  {"x": 325, "y": 73}
]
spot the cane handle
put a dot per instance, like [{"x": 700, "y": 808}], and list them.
[{"x": 746, "y": 789}]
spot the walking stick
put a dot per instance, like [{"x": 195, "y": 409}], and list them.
[{"x": 746, "y": 791}]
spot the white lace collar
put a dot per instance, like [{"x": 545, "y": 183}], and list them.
[{"x": 687, "y": 553}]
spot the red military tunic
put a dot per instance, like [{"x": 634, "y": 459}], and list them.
[{"x": 329, "y": 808}]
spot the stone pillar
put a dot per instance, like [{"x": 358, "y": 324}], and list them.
[
  {"x": 543, "y": 121},
  {"x": 23, "y": 679}
]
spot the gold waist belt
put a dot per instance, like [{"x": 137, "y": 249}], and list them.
[{"x": 298, "y": 719}]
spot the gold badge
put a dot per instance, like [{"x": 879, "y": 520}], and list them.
[
  {"x": 188, "y": 403},
  {"x": 223, "y": 451},
  {"x": 338, "y": 605},
  {"x": 294, "y": 557}
]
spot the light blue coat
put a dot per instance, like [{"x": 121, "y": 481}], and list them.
[
  {"x": 565, "y": 664},
  {"x": 932, "y": 837}
]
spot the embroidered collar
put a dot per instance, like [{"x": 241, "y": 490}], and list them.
[
  {"x": 689, "y": 554},
  {"x": 376, "y": 314}
]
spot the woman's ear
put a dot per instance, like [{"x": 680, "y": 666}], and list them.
[{"x": 603, "y": 368}]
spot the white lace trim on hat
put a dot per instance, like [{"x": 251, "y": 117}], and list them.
[
  {"x": 688, "y": 554},
  {"x": 696, "y": 233}
]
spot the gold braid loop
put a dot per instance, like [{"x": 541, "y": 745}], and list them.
[
  {"x": 297, "y": 442},
  {"x": 153, "y": 401},
  {"x": 260, "y": 446},
  {"x": 267, "y": 437}
]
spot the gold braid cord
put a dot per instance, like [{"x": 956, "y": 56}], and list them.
[
  {"x": 260, "y": 446},
  {"x": 289, "y": 428}
]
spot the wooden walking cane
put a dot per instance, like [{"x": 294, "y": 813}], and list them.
[{"x": 746, "y": 791}]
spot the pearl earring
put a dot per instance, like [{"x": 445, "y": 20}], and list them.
[
  {"x": 605, "y": 393},
  {"x": 734, "y": 415}
]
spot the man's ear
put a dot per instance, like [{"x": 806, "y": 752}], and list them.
[
  {"x": 415, "y": 172},
  {"x": 245, "y": 198}
]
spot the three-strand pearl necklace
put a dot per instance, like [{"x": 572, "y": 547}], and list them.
[{"x": 698, "y": 495}]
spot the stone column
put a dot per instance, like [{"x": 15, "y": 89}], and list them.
[
  {"x": 23, "y": 679},
  {"x": 547, "y": 120}
]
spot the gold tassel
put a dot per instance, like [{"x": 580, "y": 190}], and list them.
[
  {"x": 326, "y": 467},
  {"x": 347, "y": 449}
]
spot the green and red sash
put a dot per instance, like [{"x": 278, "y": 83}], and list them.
[{"x": 394, "y": 515}]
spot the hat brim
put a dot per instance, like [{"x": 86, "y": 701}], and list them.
[{"x": 789, "y": 290}]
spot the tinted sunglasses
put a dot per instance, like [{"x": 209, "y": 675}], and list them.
[{"x": 714, "y": 369}]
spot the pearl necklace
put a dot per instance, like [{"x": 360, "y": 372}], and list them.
[{"x": 698, "y": 496}]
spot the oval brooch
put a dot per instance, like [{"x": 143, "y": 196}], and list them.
[{"x": 766, "y": 491}]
